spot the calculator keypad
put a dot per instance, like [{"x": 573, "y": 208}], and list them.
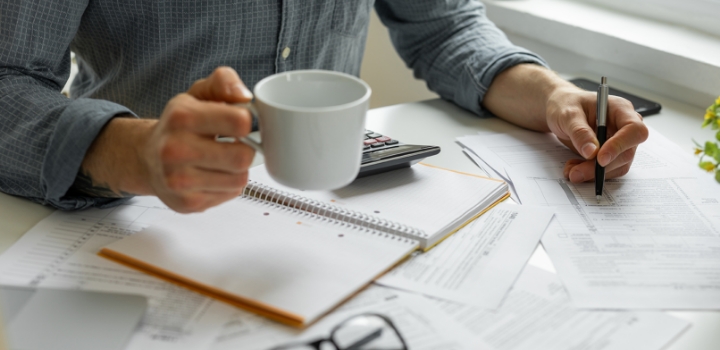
[{"x": 374, "y": 141}]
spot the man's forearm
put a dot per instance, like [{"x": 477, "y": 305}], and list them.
[
  {"x": 519, "y": 95},
  {"x": 112, "y": 166}
]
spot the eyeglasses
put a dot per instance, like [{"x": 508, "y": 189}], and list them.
[{"x": 360, "y": 332}]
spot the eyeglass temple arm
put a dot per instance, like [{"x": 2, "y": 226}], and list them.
[{"x": 368, "y": 338}]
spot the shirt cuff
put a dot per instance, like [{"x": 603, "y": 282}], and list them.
[
  {"x": 480, "y": 74},
  {"x": 76, "y": 129}
]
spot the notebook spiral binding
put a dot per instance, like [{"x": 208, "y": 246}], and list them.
[{"x": 304, "y": 205}]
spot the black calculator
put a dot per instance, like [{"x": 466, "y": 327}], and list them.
[{"x": 382, "y": 153}]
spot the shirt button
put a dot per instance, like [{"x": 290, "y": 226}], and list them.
[{"x": 285, "y": 52}]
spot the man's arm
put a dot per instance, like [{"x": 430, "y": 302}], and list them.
[
  {"x": 465, "y": 58},
  {"x": 43, "y": 134},
  {"x": 80, "y": 153},
  {"x": 451, "y": 45},
  {"x": 176, "y": 157},
  {"x": 536, "y": 98}
]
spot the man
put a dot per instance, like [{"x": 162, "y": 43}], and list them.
[{"x": 137, "y": 57}]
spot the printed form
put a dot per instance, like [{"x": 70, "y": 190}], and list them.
[
  {"x": 651, "y": 243},
  {"x": 538, "y": 314},
  {"x": 422, "y": 324},
  {"x": 478, "y": 264},
  {"x": 60, "y": 252}
]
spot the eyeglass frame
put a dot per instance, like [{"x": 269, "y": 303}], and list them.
[{"x": 317, "y": 342}]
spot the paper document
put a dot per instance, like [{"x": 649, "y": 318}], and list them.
[
  {"x": 281, "y": 263},
  {"x": 478, "y": 264},
  {"x": 423, "y": 202},
  {"x": 538, "y": 314},
  {"x": 492, "y": 173},
  {"x": 60, "y": 252},
  {"x": 651, "y": 243},
  {"x": 421, "y": 323}
]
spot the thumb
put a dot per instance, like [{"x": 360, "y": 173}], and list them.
[
  {"x": 583, "y": 139},
  {"x": 223, "y": 85}
]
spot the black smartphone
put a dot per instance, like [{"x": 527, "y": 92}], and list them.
[{"x": 643, "y": 106}]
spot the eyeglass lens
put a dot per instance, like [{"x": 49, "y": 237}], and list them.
[{"x": 367, "y": 332}]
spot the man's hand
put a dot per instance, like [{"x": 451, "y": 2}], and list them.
[
  {"x": 571, "y": 116},
  {"x": 536, "y": 98},
  {"x": 176, "y": 157}
]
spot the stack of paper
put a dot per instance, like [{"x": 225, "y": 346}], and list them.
[
  {"x": 60, "y": 251},
  {"x": 652, "y": 242},
  {"x": 537, "y": 314}
]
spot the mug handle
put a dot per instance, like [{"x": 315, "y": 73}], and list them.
[{"x": 246, "y": 140}]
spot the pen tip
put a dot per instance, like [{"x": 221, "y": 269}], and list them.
[
  {"x": 603, "y": 80},
  {"x": 598, "y": 197}
]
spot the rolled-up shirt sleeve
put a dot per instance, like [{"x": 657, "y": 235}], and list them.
[
  {"x": 43, "y": 134},
  {"x": 452, "y": 45}
]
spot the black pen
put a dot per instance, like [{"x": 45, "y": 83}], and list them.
[{"x": 602, "y": 109}]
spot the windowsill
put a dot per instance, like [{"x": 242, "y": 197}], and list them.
[{"x": 685, "y": 58}]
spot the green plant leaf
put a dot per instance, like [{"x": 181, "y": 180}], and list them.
[
  {"x": 717, "y": 136},
  {"x": 707, "y": 122},
  {"x": 717, "y": 176},
  {"x": 711, "y": 149},
  {"x": 707, "y": 166}
]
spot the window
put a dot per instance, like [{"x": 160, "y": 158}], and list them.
[{"x": 696, "y": 14}]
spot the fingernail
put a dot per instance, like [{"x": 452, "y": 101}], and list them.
[
  {"x": 604, "y": 159},
  {"x": 239, "y": 89},
  {"x": 588, "y": 150},
  {"x": 577, "y": 176}
]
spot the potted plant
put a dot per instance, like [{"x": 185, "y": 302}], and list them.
[{"x": 710, "y": 152}]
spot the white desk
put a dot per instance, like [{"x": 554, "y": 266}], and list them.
[{"x": 437, "y": 122}]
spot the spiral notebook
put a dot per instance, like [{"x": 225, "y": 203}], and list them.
[
  {"x": 424, "y": 202},
  {"x": 293, "y": 256}
]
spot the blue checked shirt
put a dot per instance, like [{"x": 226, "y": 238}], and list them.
[{"x": 134, "y": 55}]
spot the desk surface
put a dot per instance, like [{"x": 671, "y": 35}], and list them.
[{"x": 437, "y": 122}]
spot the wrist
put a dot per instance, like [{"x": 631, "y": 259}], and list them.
[
  {"x": 559, "y": 95},
  {"x": 523, "y": 94},
  {"x": 553, "y": 87},
  {"x": 139, "y": 180},
  {"x": 114, "y": 160}
]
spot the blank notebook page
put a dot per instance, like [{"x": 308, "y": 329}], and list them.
[
  {"x": 421, "y": 196},
  {"x": 277, "y": 257}
]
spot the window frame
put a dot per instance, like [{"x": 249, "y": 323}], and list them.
[{"x": 699, "y": 15}]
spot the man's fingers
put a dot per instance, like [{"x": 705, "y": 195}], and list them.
[
  {"x": 184, "y": 112},
  {"x": 618, "y": 172},
  {"x": 223, "y": 85},
  {"x": 630, "y": 132},
  {"x": 574, "y": 126},
  {"x": 569, "y": 165},
  {"x": 192, "y": 179},
  {"x": 189, "y": 149},
  {"x": 625, "y": 158},
  {"x": 584, "y": 171},
  {"x": 195, "y": 202},
  {"x": 580, "y": 171},
  {"x": 214, "y": 199}
]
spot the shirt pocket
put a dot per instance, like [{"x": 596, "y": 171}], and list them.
[{"x": 351, "y": 17}]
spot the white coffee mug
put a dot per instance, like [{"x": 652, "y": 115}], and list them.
[{"x": 312, "y": 126}]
